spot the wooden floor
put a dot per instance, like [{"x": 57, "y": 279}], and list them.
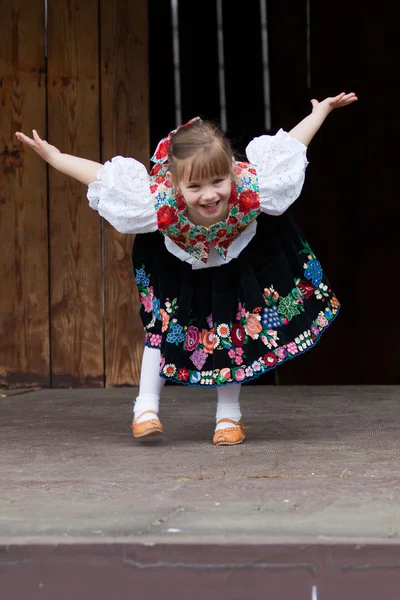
[{"x": 319, "y": 468}]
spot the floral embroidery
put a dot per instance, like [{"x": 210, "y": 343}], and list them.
[
  {"x": 155, "y": 340},
  {"x": 292, "y": 348},
  {"x": 288, "y": 307},
  {"x": 156, "y": 308},
  {"x": 270, "y": 317},
  {"x": 141, "y": 277},
  {"x": 183, "y": 374},
  {"x": 164, "y": 319},
  {"x": 146, "y": 296},
  {"x": 176, "y": 335},
  {"x": 234, "y": 337},
  {"x": 223, "y": 330},
  {"x": 192, "y": 338},
  {"x": 240, "y": 312},
  {"x": 312, "y": 268},
  {"x": 270, "y": 359},
  {"x": 240, "y": 375},
  {"x": 169, "y": 370},
  {"x": 261, "y": 323},
  {"x": 167, "y": 216},
  {"x": 335, "y": 302},
  {"x": 313, "y": 271},
  {"x": 209, "y": 340},
  {"x": 161, "y": 153},
  {"x": 244, "y": 207},
  {"x": 253, "y": 325},
  {"x": 236, "y": 355},
  {"x": 198, "y": 358},
  {"x": 238, "y": 334}
]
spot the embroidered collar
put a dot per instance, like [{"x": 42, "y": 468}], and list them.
[{"x": 172, "y": 219}]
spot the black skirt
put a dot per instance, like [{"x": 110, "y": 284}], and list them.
[{"x": 233, "y": 323}]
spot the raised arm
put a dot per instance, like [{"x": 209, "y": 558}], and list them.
[
  {"x": 308, "y": 127},
  {"x": 82, "y": 169}
]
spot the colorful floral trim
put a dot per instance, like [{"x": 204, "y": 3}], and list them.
[
  {"x": 244, "y": 207},
  {"x": 161, "y": 153},
  {"x": 151, "y": 304},
  {"x": 244, "y": 374},
  {"x": 262, "y": 323}
]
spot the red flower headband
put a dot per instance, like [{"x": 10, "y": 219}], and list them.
[{"x": 161, "y": 154}]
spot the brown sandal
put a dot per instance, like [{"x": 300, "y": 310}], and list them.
[
  {"x": 146, "y": 428},
  {"x": 231, "y": 435}
]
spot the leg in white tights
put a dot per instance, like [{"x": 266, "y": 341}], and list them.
[
  {"x": 151, "y": 385},
  {"x": 228, "y": 406}
]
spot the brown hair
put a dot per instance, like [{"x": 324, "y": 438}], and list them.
[{"x": 199, "y": 151}]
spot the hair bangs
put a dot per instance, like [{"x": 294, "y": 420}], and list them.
[{"x": 207, "y": 163}]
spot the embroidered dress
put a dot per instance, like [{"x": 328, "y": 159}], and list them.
[{"x": 226, "y": 303}]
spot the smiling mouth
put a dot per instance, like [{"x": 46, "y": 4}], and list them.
[{"x": 210, "y": 206}]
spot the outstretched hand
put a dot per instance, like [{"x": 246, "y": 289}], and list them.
[
  {"x": 330, "y": 104},
  {"x": 43, "y": 148}
]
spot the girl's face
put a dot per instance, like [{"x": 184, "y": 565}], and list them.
[{"x": 207, "y": 199}]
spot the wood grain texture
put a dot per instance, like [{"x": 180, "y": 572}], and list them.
[
  {"x": 75, "y": 229},
  {"x": 24, "y": 300},
  {"x": 125, "y": 131}
]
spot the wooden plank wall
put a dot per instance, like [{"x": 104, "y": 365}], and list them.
[
  {"x": 67, "y": 319},
  {"x": 24, "y": 296},
  {"x": 75, "y": 236},
  {"x": 110, "y": 92},
  {"x": 124, "y": 126}
]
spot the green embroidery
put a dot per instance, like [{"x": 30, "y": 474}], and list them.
[{"x": 288, "y": 307}]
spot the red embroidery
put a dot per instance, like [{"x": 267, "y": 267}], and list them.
[{"x": 244, "y": 207}]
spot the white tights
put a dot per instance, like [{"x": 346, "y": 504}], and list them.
[{"x": 151, "y": 385}]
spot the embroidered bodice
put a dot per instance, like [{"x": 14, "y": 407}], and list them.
[
  {"x": 134, "y": 201},
  {"x": 173, "y": 221}
]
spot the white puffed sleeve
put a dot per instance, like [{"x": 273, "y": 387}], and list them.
[
  {"x": 122, "y": 196},
  {"x": 280, "y": 161}
]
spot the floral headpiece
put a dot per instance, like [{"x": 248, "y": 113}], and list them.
[{"x": 161, "y": 154}]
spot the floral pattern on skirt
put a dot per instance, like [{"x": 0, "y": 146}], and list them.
[{"x": 233, "y": 323}]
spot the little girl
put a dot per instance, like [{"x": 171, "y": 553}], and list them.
[{"x": 229, "y": 288}]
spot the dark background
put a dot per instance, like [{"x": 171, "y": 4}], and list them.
[{"x": 348, "y": 209}]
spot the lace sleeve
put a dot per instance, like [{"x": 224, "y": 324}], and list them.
[
  {"x": 122, "y": 196},
  {"x": 280, "y": 161}
]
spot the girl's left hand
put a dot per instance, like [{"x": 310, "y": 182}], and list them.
[{"x": 335, "y": 102}]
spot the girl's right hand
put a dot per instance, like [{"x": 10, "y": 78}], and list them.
[{"x": 43, "y": 148}]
